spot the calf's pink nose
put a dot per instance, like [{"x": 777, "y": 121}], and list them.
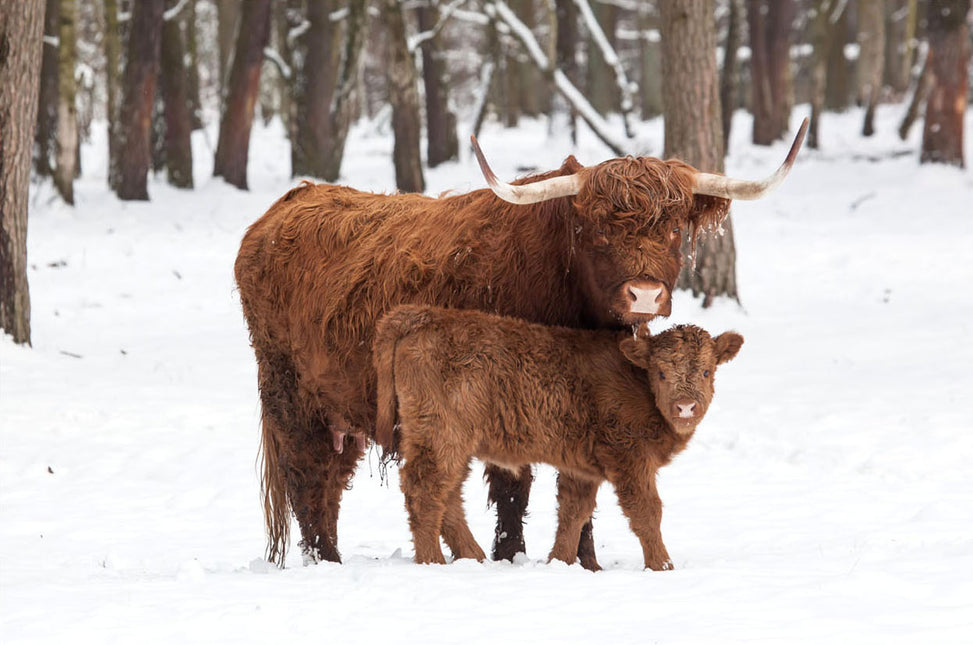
[{"x": 686, "y": 410}]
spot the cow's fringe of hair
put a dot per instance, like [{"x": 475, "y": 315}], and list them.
[{"x": 273, "y": 488}]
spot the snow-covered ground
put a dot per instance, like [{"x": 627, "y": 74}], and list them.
[{"x": 827, "y": 496}]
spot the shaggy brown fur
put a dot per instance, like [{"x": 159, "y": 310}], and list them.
[
  {"x": 325, "y": 262},
  {"x": 597, "y": 405}
]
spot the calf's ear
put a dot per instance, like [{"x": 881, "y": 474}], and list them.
[
  {"x": 727, "y": 345},
  {"x": 636, "y": 351}
]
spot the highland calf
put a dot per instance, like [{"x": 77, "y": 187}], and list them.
[{"x": 595, "y": 404}]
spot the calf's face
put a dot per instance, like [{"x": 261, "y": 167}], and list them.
[{"x": 681, "y": 363}]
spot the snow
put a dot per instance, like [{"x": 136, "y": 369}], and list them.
[{"x": 827, "y": 496}]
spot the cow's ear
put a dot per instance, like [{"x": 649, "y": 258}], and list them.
[
  {"x": 636, "y": 351},
  {"x": 727, "y": 346}
]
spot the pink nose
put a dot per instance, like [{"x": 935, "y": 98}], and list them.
[
  {"x": 646, "y": 297},
  {"x": 686, "y": 410}
]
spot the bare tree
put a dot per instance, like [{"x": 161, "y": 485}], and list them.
[
  {"x": 44, "y": 139},
  {"x": 836, "y": 95},
  {"x": 404, "y": 97},
  {"x": 138, "y": 95},
  {"x": 442, "y": 143},
  {"x": 770, "y": 41},
  {"x": 233, "y": 148},
  {"x": 66, "y": 148},
  {"x": 177, "y": 102},
  {"x": 694, "y": 130},
  {"x": 728, "y": 75},
  {"x": 21, "y": 31},
  {"x": 948, "y": 61},
  {"x": 871, "y": 58},
  {"x": 113, "y": 66},
  {"x": 824, "y": 15}
]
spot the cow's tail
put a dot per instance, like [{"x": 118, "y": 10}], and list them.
[{"x": 273, "y": 488}]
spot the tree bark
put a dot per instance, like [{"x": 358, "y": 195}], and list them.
[
  {"x": 770, "y": 39},
  {"x": 404, "y": 97},
  {"x": 693, "y": 131},
  {"x": 177, "y": 105},
  {"x": 66, "y": 156},
  {"x": 21, "y": 32},
  {"x": 820, "y": 27},
  {"x": 233, "y": 148},
  {"x": 113, "y": 66},
  {"x": 728, "y": 76},
  {"x": 602, "y": 89},
  {"x": 316, "y": 57},
  {"x": 227, "y": 27},
  {"x": 871, "y": 58},
  {"x": 442, "y": 143},
  {"x": 836, "y": 94},
  {"x": 948, "y": 60},
  {"x": 192, "y": 70},
  {"x": 138, "y": 96},
  {"x": 44, "y": 139},
  {"x": 650, "y": 74},
  {"x": 566, "y": 48}
]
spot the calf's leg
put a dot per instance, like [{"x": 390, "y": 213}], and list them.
[
  {"x": 510, "y": 493},
  {"x": 456, "y": 531},
  {"x": 424, "y": 489},
  {"x": 575, "y": 503},
  {"x": 640, "y": 502}
]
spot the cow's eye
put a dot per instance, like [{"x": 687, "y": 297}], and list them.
[
  {"x": 662, "y": 376},
  {"x": 705, "y": 373}
]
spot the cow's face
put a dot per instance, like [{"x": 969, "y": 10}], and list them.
[
  {"x": 632, "y": 213},
  {"x": 681, "y": 365}
]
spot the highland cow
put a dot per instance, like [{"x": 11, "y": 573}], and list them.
[
  {"x": 598, "y": 405},
  {"x": 585, "y": 247}
]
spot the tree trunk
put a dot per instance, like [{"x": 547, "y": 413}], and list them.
[
  {"x": 404, "y": 97},
  {"x": 602, "y": 88},
  {"x": 693, "y": 131},
  {"x": 650, "y": 73},
  {"x": 948, "y": 59},
  {"x": 871, "y": 58},
  {"x": 113, "y": 66},
  {"x": 770, "y": 38},
  {"x": 820, "y": 31},
  {"x": 21, "y": 32},
  {"x": 192, "y": 71},
  {"x": 227, "y": 27},
  {"x": 44, "y": 139},
  {"x": 836, "y": 94},
  {"x": 728, "y": 76},
  {"x": 233, "y": 148},
  {"x": 567, "y": 62},
  {"x": 138, "y": 96},
  {"x": 177, "y": 105},
  {"x": 316, "y": 59},
  {"x": 922, "y": 84},
  {"x": 66, "y": 157},
  {"x": 441, "y": 140}
]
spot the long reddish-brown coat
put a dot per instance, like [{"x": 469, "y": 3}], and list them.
[
  {"x": 325, "y": 262},
  {"x": 597, "y": 405}
]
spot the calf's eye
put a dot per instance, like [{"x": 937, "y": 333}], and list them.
[
  {"x": 705, "y": 373},
  {"x": 662, "y": 376}
]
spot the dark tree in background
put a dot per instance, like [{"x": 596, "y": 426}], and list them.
[
  {"x": 566, "y": 50},
  {"x": 602, "y": 89},
  {"x": 404, "y": 97},
  {"x": 871, "y": 58},
  {"x": 21, "y": 31},
  {"x": 44, "y": 140},
  {"x": 113, "y": 65},
  {"x": 442, "y": 143},
  {"x": 728, "y": 75},
  {"x": 694, "y": 131},
  {"x": 233, "y": 149},
  {"x": 66, "y": 148},
  {"x": 770, "y": 41},
  {"x": 837, "y": 91},
  {"x": 316, "y": 57},
  {"x": 177, "y": 103},
  {"x": 138, "y": 95},
  {"x": 948, "y": 63}
]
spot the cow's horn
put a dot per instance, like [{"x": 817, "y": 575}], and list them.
[
  {"x": 538, "y": 191},
  {"x": 720, "y": 186}
]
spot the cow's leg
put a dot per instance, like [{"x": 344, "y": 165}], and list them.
[
  {"x": 510, "y": 493},
  {"x": 456, "y": 531},
  {"x": 586, "y": 548},
  {"x": 425, "y": 487},
  {"x": 575, "y": 503},
  {"x": 301, "y": 470},
  {"x": 640, "y": 502}
]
